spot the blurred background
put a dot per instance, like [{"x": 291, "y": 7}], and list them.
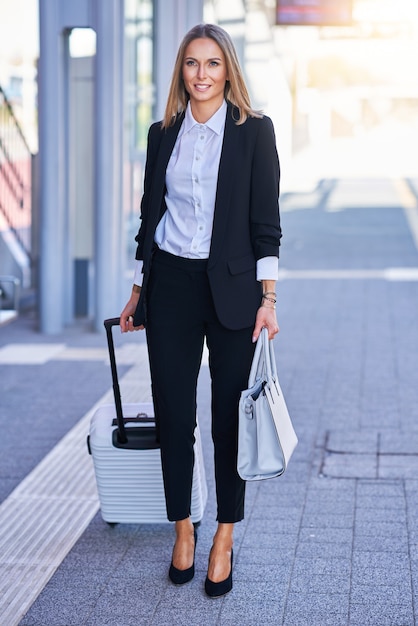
[{"x": 338, "y": 78}]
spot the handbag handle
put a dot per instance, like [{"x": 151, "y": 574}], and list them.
[
  {"x": 264, "y": 362},
  {"x": 257, "y": 363},
  {"x": 269, "y": 356}
]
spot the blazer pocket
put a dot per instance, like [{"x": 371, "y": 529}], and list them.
[{"x": 242, "y": 264}]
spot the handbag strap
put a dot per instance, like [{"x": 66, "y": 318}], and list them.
[
  {"x": 256, "y": 365},
  {"x": 264, "y": 362},
  {"x": 271, "y": 367}
]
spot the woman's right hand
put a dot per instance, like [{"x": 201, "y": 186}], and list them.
[{"x": 127, "y": 315}]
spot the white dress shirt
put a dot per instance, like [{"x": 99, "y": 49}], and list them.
[{"x": 185, "y": 229}]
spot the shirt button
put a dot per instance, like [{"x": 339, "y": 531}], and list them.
[{"x": 201, "y": 137}]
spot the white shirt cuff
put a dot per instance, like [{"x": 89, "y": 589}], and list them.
[
  {"x": 268, "y": 268},
  {"x": 138, "y": 274}
]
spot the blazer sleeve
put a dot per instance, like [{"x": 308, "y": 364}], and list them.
[
  {"x": 154, "y": 139},
  {"x": 264, "y": 201}
]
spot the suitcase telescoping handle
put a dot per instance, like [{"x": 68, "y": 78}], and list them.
[{"x": 109, "y": 323}]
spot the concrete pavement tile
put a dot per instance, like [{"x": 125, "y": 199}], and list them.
[
  {"x": 398, "y": 466},
  {"x": 164, "y": 616},
  {"x": 380, "y": 502},
  {"x": 275, "y": 525},
  {"x": 149, "y": 553},
  {"x": 365, "y": 594},
  {"x": 328, "y": 521},
  {"x": 329, "y": 485},
  {"x": 322, "y": 566},
  {"x": 326, "y": 535},
  {"x": 412, "y": 508},
  {"x": 98, "y": 543},
  {"x": 318, "y": 549},
  {"x": 413, "y": 554},
  {"x": 272, "y": 539},
  {"x": 251, "y": 572},
  {"x": 340, "y": 507},
  {"x": 341, "y": 494},
  {"x": 411, "y": 488},
  {"x": 66, "y": 600},
  {"x": 388, "y": 569},
  {"x": 256, "y": 603},
  {"x": 355, "y": 442},
  {"x": 278, "y": 511},
  {"x": 380, "y": 489},
  {"x": 89, "y": 560},
  {"x": 381, "y": 612},
  {"x": 336, "y": 465},
  {"x": 309, "y": 609},
  {"x": 396, "y": 561},
  {"x": 266, "y": 556},
  {"x": 398, "y": 443},
  {"x": 142, "y": 572},
  {"x": 375, "y": 417},
  {"x": 382, "y": 529},
  {"x": 414, "y": 565},
  {"x": 318, "y": 575},
  {"x": 380, "y": 515},
  {"x": 370, "y": 543},
  {"x": 289, "y": 493},
  {"x": 413, "y": 534},
  {"x": 122, "y": 620},
  {"x": 125, "y": 598}
]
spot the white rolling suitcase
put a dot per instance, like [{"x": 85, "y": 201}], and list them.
[{"x": 126, "y": 457}]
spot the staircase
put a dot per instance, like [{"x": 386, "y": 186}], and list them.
[{"x": 15, "y": 211}]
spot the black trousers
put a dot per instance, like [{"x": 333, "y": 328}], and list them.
[{"x": 180, "y": 316}]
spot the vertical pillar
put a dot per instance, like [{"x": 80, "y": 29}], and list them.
[
  {"x": 172, "y": 21},
  {"x": 52, "y": 155},
  {"x": 109, "y": 20}
]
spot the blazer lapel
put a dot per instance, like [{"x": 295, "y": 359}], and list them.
[
  {"x": 168, "y": 140},
  {"x": 224, "y": 186},
  {"x": 166, "y": 148}
]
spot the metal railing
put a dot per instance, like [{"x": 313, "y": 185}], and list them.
[{"x": 15, "y": 177}]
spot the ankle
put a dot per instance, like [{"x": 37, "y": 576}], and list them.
[
  {"x": 184, "y": 527},
  {"x": 223, "y": 537}
]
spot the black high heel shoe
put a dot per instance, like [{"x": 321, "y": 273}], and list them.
[
  {"x": 215, "y": 590},
  {"x": 182, "y": 576}
]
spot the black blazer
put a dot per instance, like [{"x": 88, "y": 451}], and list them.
[{"x": 246, "y": 224}]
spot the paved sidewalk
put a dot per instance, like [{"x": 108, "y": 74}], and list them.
[{"x": 333, "y": 542}]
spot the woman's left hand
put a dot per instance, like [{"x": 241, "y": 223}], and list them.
[{"x": 266, "y": 318}]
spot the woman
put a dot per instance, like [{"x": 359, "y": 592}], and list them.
[{"x": 207, "y": 260}]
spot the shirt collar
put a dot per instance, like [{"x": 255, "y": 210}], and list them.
[{"x": 216, "y": 123}]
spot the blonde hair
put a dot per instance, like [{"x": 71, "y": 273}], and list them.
[{"x": 235, "y": 88}]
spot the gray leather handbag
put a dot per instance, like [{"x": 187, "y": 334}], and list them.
[{"x": 266, "y": 437}]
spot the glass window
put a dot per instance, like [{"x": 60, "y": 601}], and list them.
[
  {"x": 138, "y": 112},
  {"x": 139, "y": 65}
]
